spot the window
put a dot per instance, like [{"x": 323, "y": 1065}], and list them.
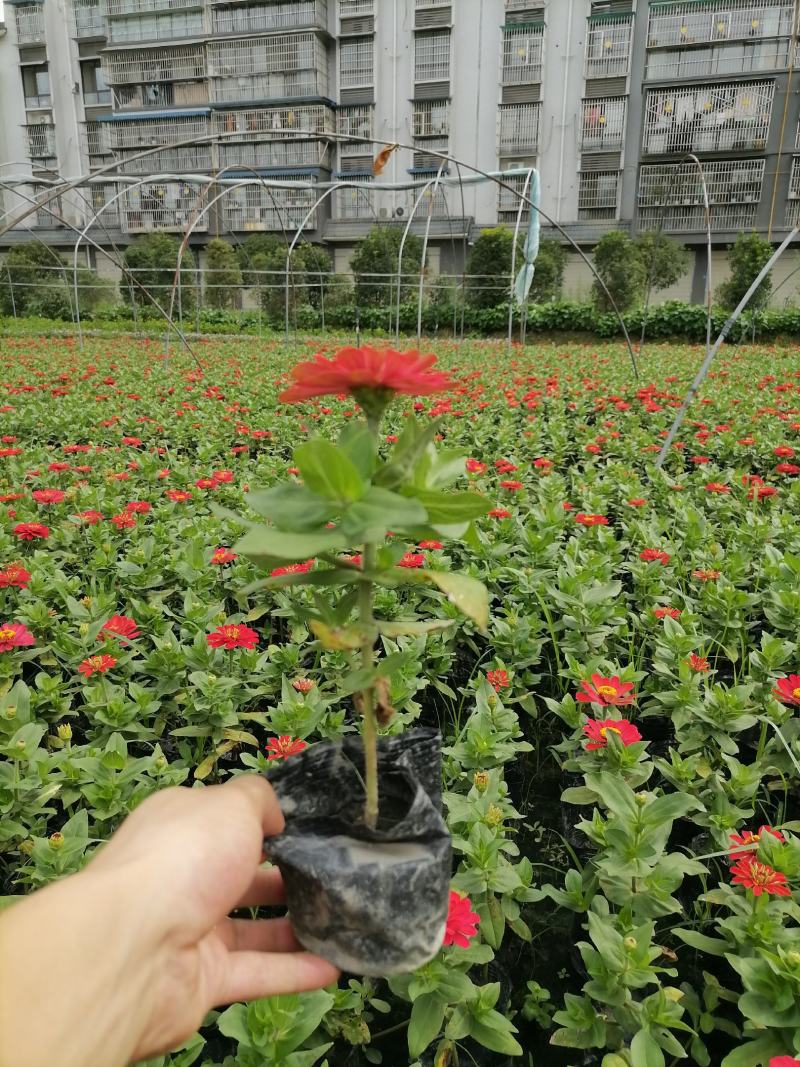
[
  {"x": 432, "y": 57},
  {"x": 671, "y": 195},
  {"x": 36, "y": 86},
  {"x": 608, "y": 48},
  {"x": 603, "y": 124},
  {"x": 431, "y": 118},
  {"x": 597, "y": 195},
  {"x": 356, "y": 62},
  {"x": 519, "y": 128},
  {"x": 708, "y": 118},
  {"x": 522, "y": 55}
]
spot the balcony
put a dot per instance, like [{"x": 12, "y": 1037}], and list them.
[
  {"x": 152, "y": 66},
  {"x": 278, "y": 154},
  {"x": 687, "y": 23},
  {"x": 680, "y": 64},
  {"x": 509, "y": 203},
  {"x": 351, "y": 9},
  {"x": 96, "y": 97},
  {"x": 29, "y": 20},
  {"x": 158, "y": 95},
  {"x": 189, "y": 159},
  {"x": 273, "y": 122},
  {"x": 162, "y": 206},
  {"x": 89, "y": 19},
  {"x": 708, "y": 118},
  {"x": 250, "y": 208},
  {"x": 523, "y": 49},
  {"x": 356, "y": 201},
  {"x": 271, "y": 68},
  {"x": 671, "y": 196},
  {"x": 432, "y": 13},
  {"x": 519, "y": 129},
  {"x": 162, "y": 26},
  {"x": 598, "y": 196},
  {"x": 608, "y": 46},
  {"x": 100, "y": 197},
  {"x": 431, "y": 118},
  {"x": 53, "y": 214},
  {"x": 356, "y": 121},
  {"x": 42, "y": 142},
  {"x": 147, "y": 7},
  {"x": 94, "y": 142},
  {"x": 147, "y": 133},
  {"x": 603, "y": 124},
  {"x": 269, "y": 18}
]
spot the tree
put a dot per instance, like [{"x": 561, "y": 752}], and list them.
[
  {"x": 374, "y": 266},
  {"x": 36, "y": 280},
  {"x": 549, "y": 276},
  {"x": 152, "y": 260},
  {"x": 664, "y": 261},
  {"x": 617, "y": 262},
  {"x": 223, "y": 275},
  {"x": 489, "y": 268},
  {"x": 749, "y": 255},
  {"x": 263, "y": 261}
]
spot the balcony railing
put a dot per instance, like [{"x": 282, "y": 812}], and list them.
[
  {"x": 273, "y": 122},
  {"x": 162, "y": 206},
  {"x": 508, "y": 200},
  {"x": 680, "y": 64},
  {"x": 146, "y": 133},
  {"x": 671, "y": 195},
  {"x": 519, "y": 128},
  {"x": 99, "y": 197},
  {"x": 264, "y": 87},
  {"x": 146, "y": 7},
  {"x": 432, "y": 57},
  {"x": 271, "y": 55},
  {"x": 94, "y": 141},
  {"x": 266, "y": 18},
  {"x": 160, "y": 95},
  {"x": 187, "y": 159},
  {"x": 163, "y": 26},
  {"x": 356, "y": 121},
  {"x": 523, "y": 48},
  {"x": 708, "y": 118},
  {"x": 89, "y": 18},
  {"x": 278, "y": 154},
  {"x": 96, "y": 97},
  {"x": 253, "y": 208},
  {"x": 608, "y": 47},
  {"x": 29, "y": 19},
  {"x": 154, "y": 65},
  {"x": 41, "y": 140},
  {"x": 603, "y": 125},
  {"x": 349, "y": 9},
  {"x": 686, "y": 22},
  {"x": 355, "y": 203},
  {"x": 598, "y": 196}
]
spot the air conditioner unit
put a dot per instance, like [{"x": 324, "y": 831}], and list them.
[{"x": 383, "y": 213}]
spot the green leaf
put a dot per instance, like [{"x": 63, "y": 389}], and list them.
[
  {"x": 267, "y": 547},
  {"x": 329, "y": 472},
  {"x": 412, "y": 444},
  {"x": 613, "y": 792},
  {"x": 714, "y": 946},
  {"x": 668, "y": 808},
  {"x": 450, "y": 508},
  {"x": 356, "y": 442},
  {"x": 645, "y": 1051},
  {"x": 470, "y": 596},
  {"x": 291, "y": 507},
  {"x": 493, "y": 923},
  {"x": 412, "y": 627},
  {"x": 756, "y": 1053},
  {"x": 491, "y": 1031},
  {"x": 427, "y": 1018},
  {"x": 378, "y": 512}
]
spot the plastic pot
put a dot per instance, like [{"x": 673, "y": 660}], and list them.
[{"x": 373, "y": 902}]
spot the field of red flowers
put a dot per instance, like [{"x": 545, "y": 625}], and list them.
[{"x": 622, "y": 743}]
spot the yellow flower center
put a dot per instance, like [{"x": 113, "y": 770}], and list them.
[
  {"x": 604, "y": 730},
  {"x": 7, "y": 635},
  {"x": 760, "y": 874},
  {"x": 607, "y": 690},
  {"x": 796, "y": 693}
]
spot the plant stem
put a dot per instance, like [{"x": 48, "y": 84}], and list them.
[{"x": 367, "y": 620}]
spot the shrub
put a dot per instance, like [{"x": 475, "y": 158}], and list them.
[
  {"x": 36, "y": 280},
  {"x": 748, "y": 257},
  {"x": 489, "y": 267},
  {"x": 223, "y": 275},
  {"x": 664, "y": 261},
  {"x": 153, "y": 259},
  {"x": 617, "y": 262},
  {"x": 374, "y": 266}
]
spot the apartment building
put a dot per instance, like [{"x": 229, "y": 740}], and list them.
[{"x": 266, "y": 115}]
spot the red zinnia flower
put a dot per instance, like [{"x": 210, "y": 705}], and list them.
[
  {"x": 123, "y": 521},
  {"x": 787, "y": 690},
  {"x": 606, "y": 691},
  {"x": 431, "y": 546},
  {"x": 283, "y": 747},
  {"x": 747, "y": 837},
  {"x": 231, "y": 636},
  {"x": 654, "y": 555},
  {"x": 48, "y": 496},
  {"x": 698, "y": 663},
  {"x": 637, "y": 502},
  {"x": 90, "y": 517},
  {"x": 591, "y": 520},
  {"x": 787, "y": 468},
  {"x": 462, "y": 921},
  {"x": 96, "y": 665},
  {"x": 222, "y": 477},
  {"x": 597, "y": 731},
  {"x": 14, "y": 635},
  {"x": 137, "y": 507},
  {"x": 474, "y": 466},
  {"x": 784, "y": 1061},
  {"x": 706, "y": 575},
  {"x": 717, "y": 487},
  {"x": 352, "y": 370},
  {"x": 121, "y": 626},
  {"x": 498, "y": 680},
  {"x": 412, "y": 560},
  {"x": 6, "y": 498},
  {"x": 14, "y": 576},
  {"x": 31, "y": 531},
  {"x": 180, "y": 496},
  {"x": 662, "y": 613},
  {"x": 760, "y": 878},
  {"x": 783, "y": 452},
  {"x": 293, "y": 568},
  {"x": 511, "y": 484},
  {"x": 303, "y": 685},
  {"x": 206, "y": 483},
  {"x": 220, "y": 556},
  {"x": 499, "y": 513}
]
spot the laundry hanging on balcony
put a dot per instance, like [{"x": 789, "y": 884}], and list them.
[{"x": 522, "y": 286}]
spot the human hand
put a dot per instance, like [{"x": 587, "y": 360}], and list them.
[{"x": 146, "y": 947}]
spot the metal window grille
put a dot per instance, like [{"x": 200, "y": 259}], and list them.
[
  {"x": 792, "y": 214},
  {"x": 100, "y": 195},
  {"x": 671, "y": 195},
  {"x": 94, "y": 142},
  {"x": 263, "y": 18},
  {"x": 608, "y": 48},
  {"x": 188, "y": 158},
  {"x": 432, "y": 57},
  {"x": 432, "y": 3},
  {"x": 41, "y": 140},
  {"x": 519, "y": 127},
  {"x": 29, "y": 19},
  {"x": 252, "y": 207},
  {"x": 598, "y": 195},
  {"x": 708, "y": 118},
  {"x": 276, "y": 154},
  {"x": 135, "y": 7},
  {"x": 349, "y": 9},
  {"x": 145, "y": 133},
  {"x": 508, "y": 202},
  {"x": 603, "y": 125},
  {"x": 431, "y": 118},
  {"x": 88, "y": 18},
  {"x": 355, "y": 203},
  {"x": 52, "y": 215},
  {"x": 159, "y": 95},
  {"x": 154, "y": 65},
  {"x": 267, "y": 123},
  {"x": 158, "y": 26},
  {"x": 161, "y": 206},
  {"x": 522, "y": 55},
  {"x": 743, "y": 58},
  {"x": 273, "y": 67},
  {"x": 357, "y": 121},
  {"x": 722, "y": 20},
  {"x": 356, "y": 62}
]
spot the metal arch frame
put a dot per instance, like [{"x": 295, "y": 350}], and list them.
[
  {"x": 709, "y": 265},
  {"x": 517, "y": 228},
  {"x": 406, "y": 230},
  {"x": 361, "y": 140},
  {"x": 421, "y": 290}
]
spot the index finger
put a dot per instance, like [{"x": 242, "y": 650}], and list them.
[{"x": 260, "y": 794}]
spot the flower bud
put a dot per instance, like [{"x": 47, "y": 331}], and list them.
[
  {"x": 64, "y": 731},
  {"x": 481, "y": 781},
  {"x": 10, "y": 713},
  {"x": 793, "y": 958},
  {"x": 641, "y": 799},
  {"x": 630, "y": 942},
  {"x": 83, "y": 629},
  {"x": 27, "y": 847},
  {"x": 494, "y": 816},
  {"x": 160, "y": 763},
  {"x": 56, "y": 841}
]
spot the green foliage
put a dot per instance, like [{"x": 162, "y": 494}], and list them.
[
  {"x": 748, "y": 257},
  {"x": 152, "y": 259},
  {"x": 664, "y": 261},
  {"x": 489, "y": 267},
  {"x": 620, "y": 267},
  {"x": 37, "y": 280},
  {"x": 262, "y": 258},
  {"x": 375, "y": 262},
  {"x": 223, "y": 276}
]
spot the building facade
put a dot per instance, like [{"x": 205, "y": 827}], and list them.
[{"x": 616, "y": 102}]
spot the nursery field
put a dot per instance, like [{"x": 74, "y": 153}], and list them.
[{"x": 621, "y": 738}]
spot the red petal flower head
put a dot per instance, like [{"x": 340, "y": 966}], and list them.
[
  {"x": 48, "y": 496},
  {"x": 498, "y": 680},
  {"x": 747, "y": 837},
  {"x": 787, "y": 690},
  {"x": 14, "y": 576},
  {"x": 293, "y": 568},
  {"x": 784, "y": 1061},
  {"x": 14, "y": 635},
  {"x": 597, "y": 730},
  {"x": 462, "y": 921},
  {"x": 357, "y": 370},
  {"x": 654, "y": 555},
  {"x": 759, "y": 878},
  {"x": 231, "y": 636},
  {"x": 283, "y": 747},
  {"x": 662, "y": 613},
  {"x": 221, "y": 556},
  {"x": 698, "y": 663},
  {"x": 120, "y": 626},
  {"x": 96, "y": 665},
  {"x": 499, "y": 513},
  {"x": 591, "y": 520},
  {"x": 303, "y": 685},
  {"x": 31, "y": 531},
  {"x": 412, "y": 560},
  {"x": 609, "y": 692}
]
